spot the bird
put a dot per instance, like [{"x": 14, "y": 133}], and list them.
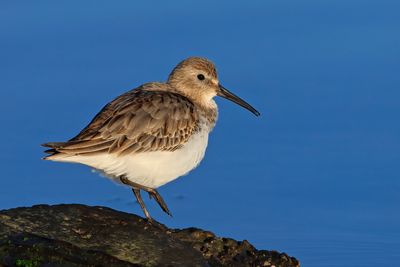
[{"x": 153, "y": 134}]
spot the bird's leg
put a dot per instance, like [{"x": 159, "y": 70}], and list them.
[
  {"x": 136, "y": 192},
  {"x": 152, "y": 193}
]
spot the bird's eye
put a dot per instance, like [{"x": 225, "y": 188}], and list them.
[{"x": 200, "y": 77}]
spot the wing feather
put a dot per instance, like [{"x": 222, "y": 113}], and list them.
[{"x": 140, "y": 120}]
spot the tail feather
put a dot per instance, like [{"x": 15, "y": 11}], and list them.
[
  {"x": 54, "y": 144},
  {"x": 54, "y": 154},
  {"x": 63, "y": 150},
  {"x": 50, "y": 151}
]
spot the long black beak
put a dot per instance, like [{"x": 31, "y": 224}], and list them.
[{"x": 234, "y": 98}]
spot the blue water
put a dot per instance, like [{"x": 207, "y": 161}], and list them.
[{"x": 316, "y": 176}]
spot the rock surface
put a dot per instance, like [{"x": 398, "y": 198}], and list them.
[{"x": 78, "y": 235}]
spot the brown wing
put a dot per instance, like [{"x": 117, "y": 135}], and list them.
[{"x": 137, "y": 121}]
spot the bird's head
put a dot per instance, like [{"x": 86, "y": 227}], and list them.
[{"x": 197, "y": 79}]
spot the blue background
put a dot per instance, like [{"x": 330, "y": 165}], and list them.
[{"x": 316, "y": 176}]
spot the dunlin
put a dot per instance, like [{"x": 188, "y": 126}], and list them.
[{"x": 153, "y": 134}]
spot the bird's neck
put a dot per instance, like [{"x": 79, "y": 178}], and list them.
[{"x": 209, "y": 112}]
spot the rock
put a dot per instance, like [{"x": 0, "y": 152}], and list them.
[{"x": 78, "y": 235}]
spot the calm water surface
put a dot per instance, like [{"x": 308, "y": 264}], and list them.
[{"x": 316, "y": 176}]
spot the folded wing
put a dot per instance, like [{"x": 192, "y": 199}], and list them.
[{"x": 138, "y": 121}]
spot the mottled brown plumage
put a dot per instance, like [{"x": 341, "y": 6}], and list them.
[{"x": 141, "y": 120}]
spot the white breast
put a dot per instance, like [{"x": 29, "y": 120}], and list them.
[
  {"x": 155, "y": 169},
  {"x": 152, "y": 169}
]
